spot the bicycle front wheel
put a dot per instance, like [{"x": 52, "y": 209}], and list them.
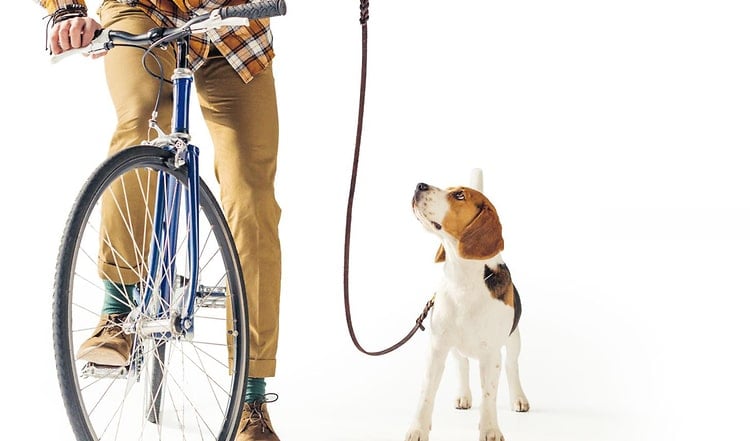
[{"x": 176, "y": 384}]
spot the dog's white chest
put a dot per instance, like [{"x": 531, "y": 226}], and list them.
[{"x": 466, "y": 317}]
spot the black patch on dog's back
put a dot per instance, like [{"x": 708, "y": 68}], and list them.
[{"x": 498, "y": 282}]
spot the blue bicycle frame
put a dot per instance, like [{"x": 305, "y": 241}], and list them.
[{"x": 167, "y": 209}]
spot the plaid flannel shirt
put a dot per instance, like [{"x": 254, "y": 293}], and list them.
[{"x": 249, "y": 49}]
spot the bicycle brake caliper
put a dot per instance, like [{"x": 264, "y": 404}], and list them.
[{"x": 180, "y": 153}]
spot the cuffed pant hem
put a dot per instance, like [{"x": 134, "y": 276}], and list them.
[
  {"x": 262, "y": 368},
  {"x": 117, "y": 274}
]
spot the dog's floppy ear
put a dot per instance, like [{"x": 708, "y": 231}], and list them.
[
  {"x": 483, "y": 237},
  {"x": 440, "y": 255}
]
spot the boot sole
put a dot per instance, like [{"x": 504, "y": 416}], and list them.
[{"x": 103, "y": 356}]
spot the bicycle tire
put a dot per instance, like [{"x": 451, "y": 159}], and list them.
[{"x": 102, "y": 408}]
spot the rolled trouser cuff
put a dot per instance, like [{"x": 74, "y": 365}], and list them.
[
  {"x": 118, "y": 274},
  {"x": 261, "y": 368}
]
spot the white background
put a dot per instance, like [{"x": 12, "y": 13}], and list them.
[{"x": 613, "y": 138}]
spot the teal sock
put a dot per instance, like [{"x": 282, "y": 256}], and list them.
[
  {"x": 118, "y": 298},
  {"x": 255, "y": 390}
]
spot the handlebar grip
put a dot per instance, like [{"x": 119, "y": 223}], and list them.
[
  {"x": 99, "y": 43},
  {"x": 255, "y": 9}
]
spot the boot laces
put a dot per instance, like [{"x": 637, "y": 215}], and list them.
[
  {"x": 256, "y": 411},
  {"x": 113, "y": 326}
]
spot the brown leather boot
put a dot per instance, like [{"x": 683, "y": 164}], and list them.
[
  {"x": 109, "y": 345},
  {"x": 255, "y": 424}
]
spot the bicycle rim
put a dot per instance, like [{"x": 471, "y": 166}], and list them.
[{"x": 186, "y": 387}]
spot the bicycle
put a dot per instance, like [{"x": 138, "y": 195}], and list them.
[{"x": 189, "y": 318}]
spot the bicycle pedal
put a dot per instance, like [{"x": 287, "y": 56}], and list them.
[{"x": 91, "y": 370}]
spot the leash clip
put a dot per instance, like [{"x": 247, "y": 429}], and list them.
[{"x": 425, "y": 312}]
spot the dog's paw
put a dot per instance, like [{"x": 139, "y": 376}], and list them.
[
  {"x": 463, "y": 401},
  {"x": 519, "y": 403},
  {"x": 416, "y": 434},
  {"x": 491, "y": 434}
]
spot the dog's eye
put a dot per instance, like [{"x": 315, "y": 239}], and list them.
[{"x": 459, "y": 196}]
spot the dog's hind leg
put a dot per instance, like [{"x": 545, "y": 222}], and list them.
[
  {"x": 463, "y": 399},
  {"x": 518, "y": 401}
]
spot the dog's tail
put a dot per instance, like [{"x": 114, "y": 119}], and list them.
[{"x": 476, "y": 181}]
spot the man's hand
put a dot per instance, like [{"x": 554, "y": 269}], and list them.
[{"x": 72, "y": 33}]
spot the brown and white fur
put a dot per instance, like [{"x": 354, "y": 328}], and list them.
[{"x": 476, "y": 309}]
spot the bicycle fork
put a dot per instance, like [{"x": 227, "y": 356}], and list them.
[
  {"x": 176, "y": 293},
  {"x": 174, "y": 314}
]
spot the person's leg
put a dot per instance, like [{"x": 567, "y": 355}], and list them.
[
  {"x": 133, "y": 92},
  {"x": 243, "y": 122}
]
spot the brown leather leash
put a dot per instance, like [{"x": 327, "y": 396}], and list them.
[{"x": 363, "y": 18}]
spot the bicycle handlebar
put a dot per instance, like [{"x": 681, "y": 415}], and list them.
[{"x": 238, "y": 15}]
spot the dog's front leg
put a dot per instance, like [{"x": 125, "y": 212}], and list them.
[
  {"x": 489, "y": 372},
  {"x": 463, "y": 400},
  {"x": 420, "y": 428}
]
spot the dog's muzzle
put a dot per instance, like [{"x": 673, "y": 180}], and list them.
[{"x": 419, "y": 195}]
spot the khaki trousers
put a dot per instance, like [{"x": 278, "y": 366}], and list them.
[{"x": 242, "y": 120}]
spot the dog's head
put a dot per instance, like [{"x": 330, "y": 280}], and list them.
[{"x": 463, "y": 217}]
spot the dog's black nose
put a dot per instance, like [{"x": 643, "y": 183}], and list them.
[{"x": 422, "y": 186}]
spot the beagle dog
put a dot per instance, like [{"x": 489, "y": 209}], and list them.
[{"x": 477, "y": 306}]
